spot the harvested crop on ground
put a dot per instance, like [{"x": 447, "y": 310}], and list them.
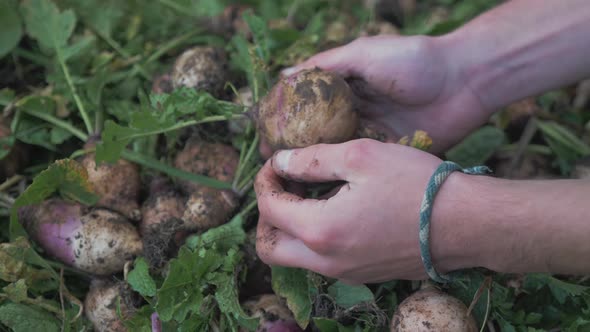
[{"x": 130, "y": 137}]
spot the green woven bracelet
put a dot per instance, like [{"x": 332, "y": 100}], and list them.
[{"x": 434, "y": 184}]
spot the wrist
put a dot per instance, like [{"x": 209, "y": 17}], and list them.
[{"x": 459, "y": 226}]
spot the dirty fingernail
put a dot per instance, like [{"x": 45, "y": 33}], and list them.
[{"x": 281, "y": 160}]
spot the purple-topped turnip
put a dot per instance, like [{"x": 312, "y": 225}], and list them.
[
  {"x": 97, "y": 241},
  {"x": 273, "y": 313}
]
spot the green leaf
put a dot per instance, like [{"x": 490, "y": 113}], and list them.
[
  {"x": 113, "y": 141},
  {"x": 293, "y": 284},
  {"x": 260, "y": 33},
  {"x": 18, "y": 261},
  {"x": 22, "y": 318},
  {"x": 11, "y": 29},
  {"x": 181, "y": 291},
  {"x": 478, "y": 147},
  {"x": 348, "y": 296},
  {"x": 50, "y": 27},
  {"x": 140, "y": 280},
  {"x": 330, "y": 325},
  {"x": 17, "y": 291},
  {"x": 224, "y": 237},
  {"x": 6, "y": 96},
  {"x": 66, "y": 177},
  {"x": 560, "y": 289}
]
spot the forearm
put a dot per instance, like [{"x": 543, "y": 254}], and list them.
[
  {"x": 526, "y": 226},
  {"x": 522, "y": 48}
]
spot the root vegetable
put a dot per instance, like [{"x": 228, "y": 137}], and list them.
[
  {"x": 202, "y": 68},
  {"x": 273, "y": 313},
  {"x": 309, "y": 107},
  {"x": 162, "y": 227},
  {"x": 162, "y": 84},
  {"x": 98, "y": 241},
  {"x": 208, "y": 207},
  {"x": 215, "y": 160},
  {"x": 432, "y": 310},
  {"x": 118, "y": 185},
  {"x": 102, "y": 300}
]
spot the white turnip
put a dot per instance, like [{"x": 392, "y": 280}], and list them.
[
  {"x": 117, "y": 185},
  {"x": 102, "y": 300},
  {"x": 306, "y": 108},
  {"x": 162, "y": 226},
  {"x": 202, "y": 68},
  {"x": 95, "y": 240},
  {"x": 429, "y": 310},
  {"x": 273, "y": 313}
]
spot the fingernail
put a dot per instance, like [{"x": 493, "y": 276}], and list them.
[
  {"x": 289, "y": 71},
  {"x": 281, "y": 160}
]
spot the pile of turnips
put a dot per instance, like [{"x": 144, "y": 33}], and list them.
[{"x": 152, "y": 216}]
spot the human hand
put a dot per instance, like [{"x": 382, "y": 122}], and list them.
[
  {"x": 368, "y": 230},
  {"x": 406, "y": 84}
]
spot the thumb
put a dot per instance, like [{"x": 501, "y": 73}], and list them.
[{"x": 345, "y": 60}]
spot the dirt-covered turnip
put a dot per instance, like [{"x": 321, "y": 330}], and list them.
[
  {"x": 102, "y": 301},
  {"x": 215, "y": 160},
  {"x": 306, "y": 108},
  {"x": 162, "y": 227},
  {"x": 430, "y": 309},
  {"x": 209, "y": 207},
  {"x": 97, "y": 241},
  {"x": 202, "y": 68},
  {"x": 162, "y": 84},
  {"x": 273, "y": 313},
  {"x": 117, "y": 185}
]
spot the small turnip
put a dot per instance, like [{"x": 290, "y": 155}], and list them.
[
  {"x": 95, "y": 240},
  {"x": 273, "y": 313},
  {"x": 202, "y": 68},
  {"x": 162, "y": 227},
  {"x": 306, "y": 108},
  {"x": 102, "y": 300},
  {"x": 118, "y": 185},
  {"x": 162, "y": 84},
  {"x": 430, "y": 309},
  {"x": 209, "y": 207},
  {"x": 215, "y": 160}
]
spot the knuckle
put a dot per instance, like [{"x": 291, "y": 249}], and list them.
[
  {"x": 357, "y": 153},
  {"x": 319, "y": 239}
]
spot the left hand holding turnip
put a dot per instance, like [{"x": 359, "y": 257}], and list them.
[{"x": 367, "y": 231}]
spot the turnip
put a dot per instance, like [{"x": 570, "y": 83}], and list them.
[
  {"x": 162, "y": 84},
  {"x": 95, "y": 240},
  {"x": 102, "y": 300},
  {"x": 273, "y": 313},
  {"x": 430, "y": 309},
  {"x": 306, "y": 108},
  {"x": 117, "y": 185},
  {"x": 207, "y": 207},
  {"x": 162, "y": 227},
  {"x": 202, "y": 68},
  {"x": 215, "y": 160}
]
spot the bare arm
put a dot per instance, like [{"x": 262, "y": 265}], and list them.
[
  {"x": 522, "y": 48},
  {"x": 519, "y": 226}
]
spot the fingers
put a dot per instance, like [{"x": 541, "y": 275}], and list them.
[
  {"x": 344, "y": 60},
  {"x": 324, "y": 162},
  {"x": 284, "y": 210},
  {"x": 275, "y": 247}
]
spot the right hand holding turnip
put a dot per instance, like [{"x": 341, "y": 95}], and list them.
[
  {"x": 405, "y": 84},
  {"x": 368, "y": 230}
]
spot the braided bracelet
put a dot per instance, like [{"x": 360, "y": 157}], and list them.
[{"x": 434, "y": 184}]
